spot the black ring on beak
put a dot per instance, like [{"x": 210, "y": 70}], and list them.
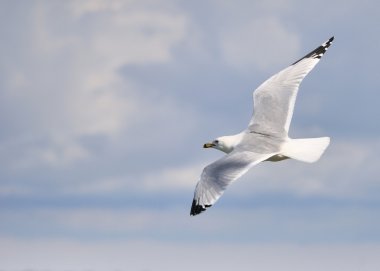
[{"x": 209, "y": 145}]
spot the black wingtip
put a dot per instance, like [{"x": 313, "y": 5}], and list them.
[
  {"x": 328, "y": 43},
  {"x": 318, "y": 52},
  {"x": 196, "y": 208}
]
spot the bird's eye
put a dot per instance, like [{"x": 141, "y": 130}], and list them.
[{"x": 216, "y": 141}]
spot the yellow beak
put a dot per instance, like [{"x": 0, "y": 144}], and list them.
[{"x": 209, "y": 145}]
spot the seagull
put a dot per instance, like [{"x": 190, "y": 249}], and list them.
[{"x": 266, "y": 137}]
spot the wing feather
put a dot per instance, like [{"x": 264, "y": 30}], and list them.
[
  {"x": 217, "y": 176},
  {"x": 275, "y": 98}
]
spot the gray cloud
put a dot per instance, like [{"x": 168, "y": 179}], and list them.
[{"x": 104, "y": 107}]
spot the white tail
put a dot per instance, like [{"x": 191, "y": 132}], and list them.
[{"x": 306, "y": 149}]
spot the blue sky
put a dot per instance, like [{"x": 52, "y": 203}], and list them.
[{"x": 104, "y": 108}]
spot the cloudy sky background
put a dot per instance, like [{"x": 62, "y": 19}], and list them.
[{"x": 104, "y": 107}]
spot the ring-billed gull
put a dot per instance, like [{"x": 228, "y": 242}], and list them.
[{"x": 266, "y": 138}]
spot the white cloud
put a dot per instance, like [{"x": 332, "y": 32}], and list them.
[
  {"x": 173, "y": 179},
  {"x": 163, "y": 180},
  {"x": 263, "y": 43},
  {"x": 346, "y": 171},
  {"x": 56, "y": 154},
  {"x": 67, "y": 82},
  {"x": 299, "y": 224},
  {"x": 92, "y": 6}
]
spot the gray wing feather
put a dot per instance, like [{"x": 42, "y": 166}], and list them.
[
  {"x": 274, "y": 99},
  {"x": 217, "y": 176}
]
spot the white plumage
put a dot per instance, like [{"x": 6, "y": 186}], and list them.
[{"x": 266, "y": 137}]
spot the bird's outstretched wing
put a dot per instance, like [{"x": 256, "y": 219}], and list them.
[
  {"x": 274, "y": 99},
  {"x": 218, "y": 175}
]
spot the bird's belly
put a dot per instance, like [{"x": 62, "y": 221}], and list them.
[{"x": 277, "y": 158}]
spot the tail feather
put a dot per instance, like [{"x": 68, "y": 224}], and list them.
[{"x": 306, "y": 149}]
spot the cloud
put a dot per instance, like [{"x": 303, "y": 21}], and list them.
[
  {"x": 82, "y": 8},
  {"x": 162, "y": 180},
  {"x": 169, "y": 221},
  {"x": 67, "y": 84},
  {"x": 255, "y": 44},
  {"x": 346, "y": 171},
  {"x": 104, "y": 105},
  {"x": 173, "y": 179},
  {"x": 58, "y": 254}
]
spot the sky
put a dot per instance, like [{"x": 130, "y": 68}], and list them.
[{"x": 105, "y": 106}]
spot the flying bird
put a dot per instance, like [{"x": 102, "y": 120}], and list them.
[{"x": 266, "y": 137}]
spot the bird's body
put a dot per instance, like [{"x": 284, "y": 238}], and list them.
[{"x": 266, "y": 137}]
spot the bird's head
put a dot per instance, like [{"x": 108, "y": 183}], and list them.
[{"x": 225, "y": 144}]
